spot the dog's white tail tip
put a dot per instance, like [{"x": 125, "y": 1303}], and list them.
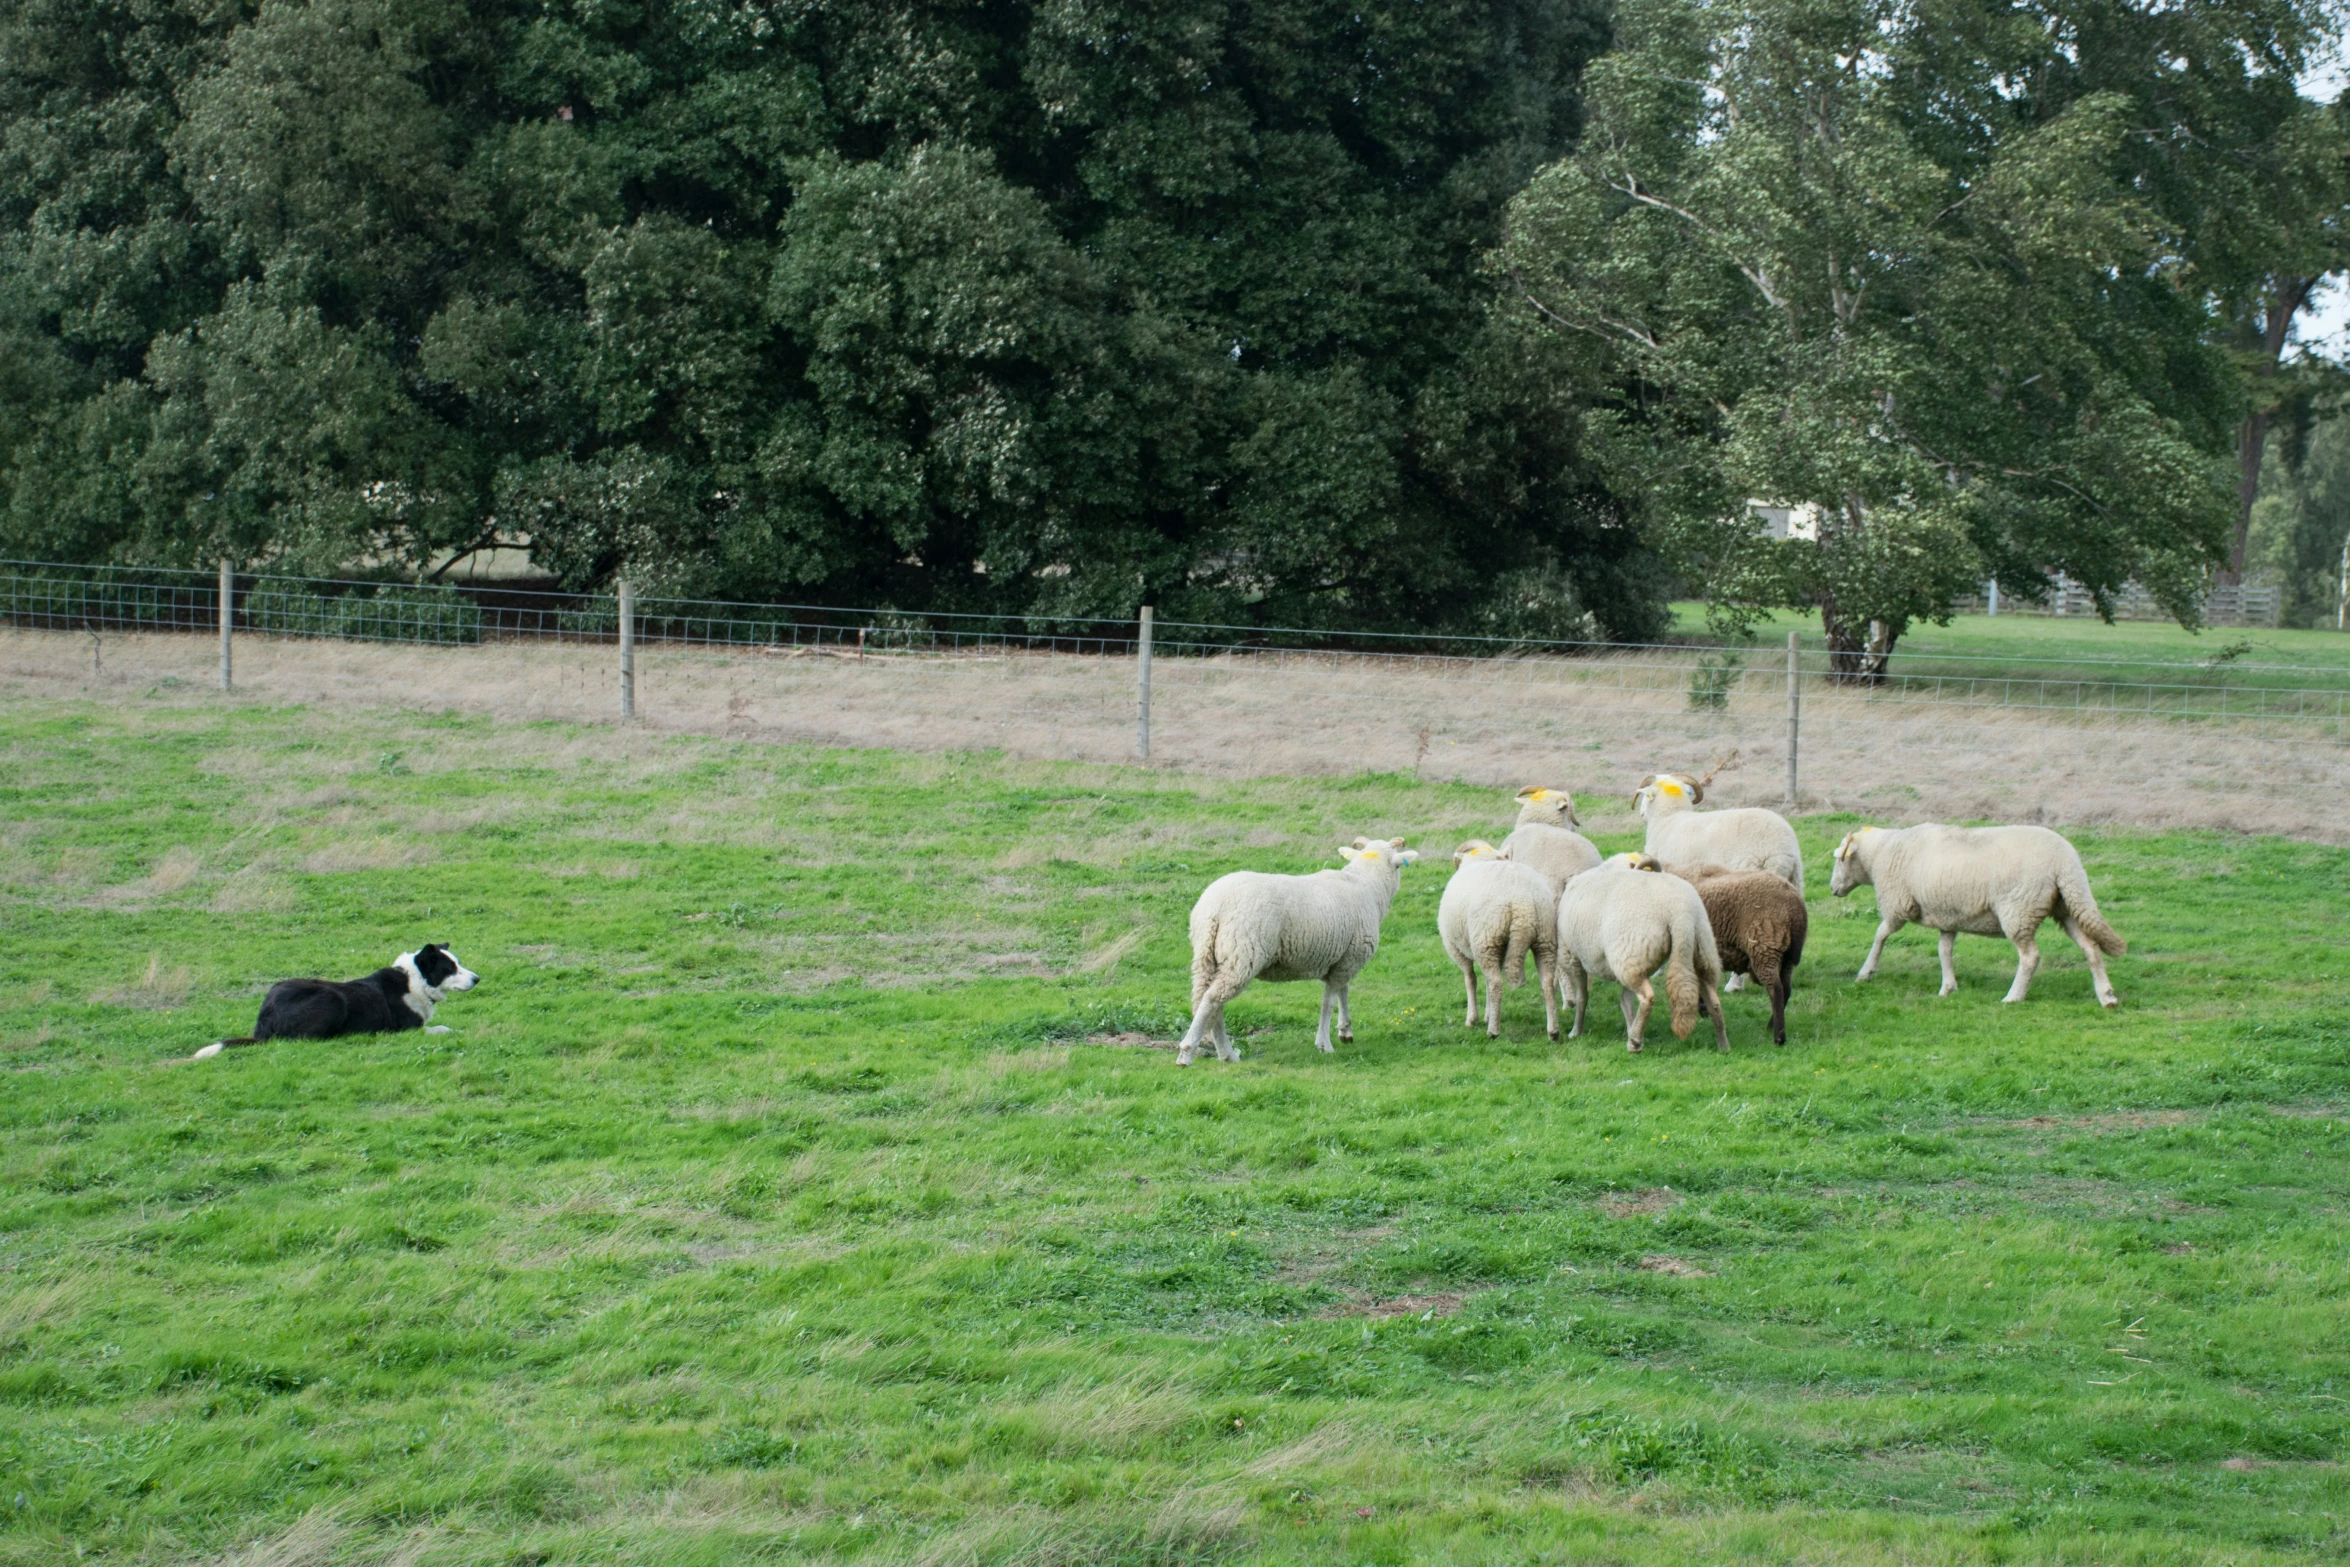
[{"x": 208, "y": 1052}]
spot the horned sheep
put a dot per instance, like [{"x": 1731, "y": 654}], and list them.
[
  {"x": 1494, "y": 912},
  {"x": 1323, "y": 926},
  {"x": 1759, "y": 925},
  {"x": 1626, "y": 923},
  {"x": 1989, "y": 881},
  {"x": 1545, "y": 837},
  {"x": 1748, "y": 838}
]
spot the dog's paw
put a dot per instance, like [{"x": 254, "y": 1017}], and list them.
[{"x": 438, "y": 1028}]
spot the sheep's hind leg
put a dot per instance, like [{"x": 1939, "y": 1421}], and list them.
[
  {"x": 1493, "y": 1002},
  {"x": 1207, "y": 1022},
  {"x": 1546, "y": 971},
  {"x": 2027, "y": 962},
  {"x": 1469, "y": 983},
  {"x": 1885, "y": 927},
  {"x": 1346, "y": 1018},
  {"x": 1572, "y": 975},
  {"x": 1713, "y": 1001},
  {"x": 1949, "y": 965},
  {"x": 1636, "y": 1021},
  {"x": 2096, "y": 957},
  {"x": 1322, "y": 1029},
  {"x": 1734, "y": 983}
]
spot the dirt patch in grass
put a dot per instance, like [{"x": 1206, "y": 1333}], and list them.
[
  {"x": 1672, "y": 1267},
  {"x": 1633, "y": 1205},
  {"x": 2115, "y": 1121},
  {"x": 1441, "y": 1304},
  {"x": 1132, "y": 1041}
]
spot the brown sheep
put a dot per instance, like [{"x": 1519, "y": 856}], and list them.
[{"x": 1759, "y": 923}]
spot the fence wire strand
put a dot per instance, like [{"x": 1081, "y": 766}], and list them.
[{"x": 2299, "y": 701}]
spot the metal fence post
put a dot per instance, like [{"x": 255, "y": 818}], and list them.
[
  {"x": 228, "y": 611},
  {"x": 627, "y": 652},
  {"x": 1794, "y": 707},
  {"x": 1142, "y": 689}
]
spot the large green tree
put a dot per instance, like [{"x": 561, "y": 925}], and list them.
[
  {"x": 1036, "y": 306},
  {"x": 2288, "y": 228},
  {"x": 1910, "y": 266}
]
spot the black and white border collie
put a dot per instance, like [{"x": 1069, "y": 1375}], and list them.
[{"x": 385, "y": 1002}]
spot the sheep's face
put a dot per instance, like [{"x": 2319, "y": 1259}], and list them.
[
  {"x": 1630, "y": 860},
  {"x": 1851, "y": 870},
  {"x": 1474, "y": 849},
  {"x": 1387, "y": 852},
  {"x": 1546, "y": 807},
  {"x": 1661, "y": 794}
]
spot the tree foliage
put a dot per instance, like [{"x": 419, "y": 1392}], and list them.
[
  {"x": 1925, "y": 268},
  {"x": 1028, "y": 305}
]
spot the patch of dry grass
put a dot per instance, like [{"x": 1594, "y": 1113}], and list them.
[
  {"x": 1593, "y": 726},
  {"x": 158, "y": 989},
  {"x": 29, "y": 1305},
  {"x": 369, "y": 854},
  {"x": 315, "y": 1539}
]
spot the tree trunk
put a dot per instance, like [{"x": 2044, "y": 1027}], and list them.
[
  {"x": 2286, "y": 296},
  {"x": 1858, "y": 649},
  {"x": 1859, "y": 652}
]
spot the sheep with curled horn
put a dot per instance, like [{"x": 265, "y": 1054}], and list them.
[{"x": 1747, "y": 838}]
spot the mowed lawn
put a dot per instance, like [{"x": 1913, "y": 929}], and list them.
[{"x": 802, "y": 1184}]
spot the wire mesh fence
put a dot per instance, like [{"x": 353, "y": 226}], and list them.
[{"x": 1738, "y": 685}]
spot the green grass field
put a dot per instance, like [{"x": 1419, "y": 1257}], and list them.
[
  {"x": 798, "y": 1186},
  {"x": 2035, "y": 648}
]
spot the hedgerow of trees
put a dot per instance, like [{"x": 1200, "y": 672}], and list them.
[
  {"x": 1473, "y": 314},
  {"x": 1048, "y": 307}
]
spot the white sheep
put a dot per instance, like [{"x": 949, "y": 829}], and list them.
[
  {"x": 1625, "y": 922},
  {"x": 1325, "y": 926},
  {"x": 1989, "y": 881},
  {"x": 1545, "y": 837},
  {"x": 1494, "y": 912},
  {"x": 1746, "y": 839}
]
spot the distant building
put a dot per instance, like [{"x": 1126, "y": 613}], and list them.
[{"x": 1787, "y": 522}]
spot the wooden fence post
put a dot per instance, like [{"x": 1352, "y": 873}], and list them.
[
  {"x": 1794, "y": 707},
  {"x": 1142, "y": 689},
  {"x": 627, "y": 652},
  {"x": 228, "y": 610}
]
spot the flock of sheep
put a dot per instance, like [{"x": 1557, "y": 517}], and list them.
[{"x": 1712, "y": 894}]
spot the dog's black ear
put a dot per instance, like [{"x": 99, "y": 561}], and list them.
[{"x": 434, "y": 963}]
